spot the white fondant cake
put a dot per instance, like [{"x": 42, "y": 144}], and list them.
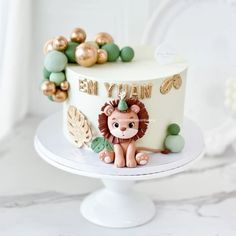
[{"x": 160, "y": 87}]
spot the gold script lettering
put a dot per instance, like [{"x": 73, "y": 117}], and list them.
[
  {"x": 88, "y": 86},
  {"x": 134, "y": 91},
  {"x": 109, "y": 88},
  {"x": 145, "y": 91}
]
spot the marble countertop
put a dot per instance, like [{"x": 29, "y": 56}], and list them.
[{"x": 38, "y": 199}]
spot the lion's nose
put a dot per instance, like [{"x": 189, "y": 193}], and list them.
[{"x": 122, "y": 128}]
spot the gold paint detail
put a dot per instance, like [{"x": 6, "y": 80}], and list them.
[
  {"x": 48, "y": 46},
  {"x": 103, "y": 38},
  {"x": 134, "y": 91},
  {"x": 60, "y": 96},
  {"x": 101, "y": 56},
  {"x": 78, "y": 127},
  {"x": 59, "y": 43},
  {"x": 86, "y": 54},
  {"x": 92, "y": 87},
  {"x": 64, "y": 85},
  {"x": 88, "y": 86},
  {"x": 145, "y": 91},
  {"x": 175, "y": 81},
  {"x": 137, "y": 91},
  {"x": 109, "y": 88}
]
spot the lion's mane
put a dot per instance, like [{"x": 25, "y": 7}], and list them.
[{"x": 142, "y": 115}]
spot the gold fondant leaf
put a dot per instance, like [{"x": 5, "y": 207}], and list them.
[
  {"x": 78, "y": 127},
  {"x": 175, "y": 81},
  {"x": 166, "y": 86}
]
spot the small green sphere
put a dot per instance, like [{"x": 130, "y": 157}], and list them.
[
  {"x": 50, "y": 98},
  {"x": 55, "y": 61},
  {"x": 127, "y": 54},
  {"x": 173, "y": 129},
  {"x": 113, "y": 51},
  {"x": 57, "y": 78},
  {"x": 70, "y": 51},
  {"x": 174, "y": 143},
  {"x": 46, "y": 73}
]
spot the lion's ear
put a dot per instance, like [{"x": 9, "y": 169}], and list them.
[
  {"x": 108, "y": 110},
  {"x": 135, "y": 108}
]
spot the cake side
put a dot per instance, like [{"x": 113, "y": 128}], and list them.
[{"x": 164, "y": 102}]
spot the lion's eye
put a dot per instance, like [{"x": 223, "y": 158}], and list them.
[
  {"x": 115, "y": 125},
  {"x": 131, "y": 125}
]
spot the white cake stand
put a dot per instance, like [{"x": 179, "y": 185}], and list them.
[{"x": 116, "y": 205}]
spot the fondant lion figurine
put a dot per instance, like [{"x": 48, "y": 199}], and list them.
[{"x": 122, "y": 122}]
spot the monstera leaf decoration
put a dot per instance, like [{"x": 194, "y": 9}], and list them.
[{"x": 78, "y": 127}]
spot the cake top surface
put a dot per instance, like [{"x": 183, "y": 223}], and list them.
[{"x": 143, "y": 67}]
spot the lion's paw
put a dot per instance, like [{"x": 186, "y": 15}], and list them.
[
  {"x": 106, "y": 156},
  {"x": 119, "y": 162},
  {"x": 131, "y": 163},
  {"x": 142, "y": 158}
]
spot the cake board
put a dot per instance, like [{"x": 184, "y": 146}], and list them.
[{"x": 117, "y": 205}]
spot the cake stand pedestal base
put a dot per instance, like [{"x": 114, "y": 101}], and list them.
[{"x": 118, "y": 205}]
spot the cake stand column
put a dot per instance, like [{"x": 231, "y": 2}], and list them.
[{"x": 118, "y": 205}]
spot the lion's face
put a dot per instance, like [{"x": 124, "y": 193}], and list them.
[
  {"x": 123, "y": 125},
  {"x": 117, "y": 126}
]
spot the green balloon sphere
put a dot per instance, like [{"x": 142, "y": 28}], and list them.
[
  {"x": 70, "y": 51},
  {"x": 174, "y": 143},
  {"x": 127, "y": 54},
  {"x": 50, "y": 98},
  {"x": 173, "y": 129},
  {"x": 57, "y": 78},
  {"x": 55, "y": 61},
  {"x": 113, "y": 51},
  {"x": 46, "y": 73}
]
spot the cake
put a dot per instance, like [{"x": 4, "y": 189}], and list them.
[{"x": 123, "y": 105}]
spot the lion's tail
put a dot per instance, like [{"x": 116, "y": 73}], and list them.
[{"x": 153, "y": 150}]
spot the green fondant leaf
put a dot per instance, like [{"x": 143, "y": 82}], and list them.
[
  {"x": 100, "y": 143},
  {"x": 97, "y": 144},
  {"x": 109, "y": 146}
]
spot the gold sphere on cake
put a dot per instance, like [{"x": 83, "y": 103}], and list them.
[
  {"x": 93, "y": 43},
  {"x": 59, "y": 96},
  {"x": 48, "y": 46},
  {"x": 103, "y": 38},
  {"x": 64, "y": 85},
  {"x": 78, "y": 35},
  {"x": 86, "y": 54},
  {"x": 48, "y": 88},
  {"x": 102, "y": 56},
  {"x": 59, "y": 43}
]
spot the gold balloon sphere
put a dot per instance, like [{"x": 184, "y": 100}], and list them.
[
  {"x": 59, "y": 43},
  {"x": 86, "y": 54},
  {"x": 78, "y": 35},
  {"x": 93, "y": 43},
  {"x": 102, "y": 56},
  {"x": 64, "y": 85},
  {"x": 48, "y": 88},
  {"x": 48, "y": 46},
  {"x": 103, "y": 38},
  {"x": 59, "y": 96}
]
